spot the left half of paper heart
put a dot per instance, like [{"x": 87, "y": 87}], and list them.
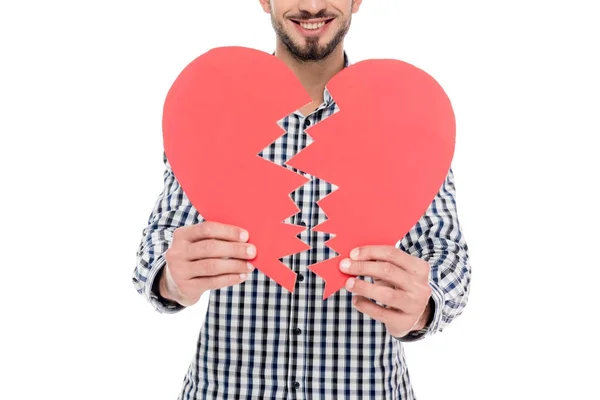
[{"x": 219, "y": 114}]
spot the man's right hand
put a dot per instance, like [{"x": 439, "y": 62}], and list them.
[{"x": 205, "y": 256}]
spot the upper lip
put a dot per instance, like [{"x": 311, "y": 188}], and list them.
[{"x": 311, "y": 21}]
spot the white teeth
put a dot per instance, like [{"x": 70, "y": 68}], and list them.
[{"x": 312, "y": 26}]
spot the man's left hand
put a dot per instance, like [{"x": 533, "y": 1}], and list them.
[{"x": 401, "y": 284}]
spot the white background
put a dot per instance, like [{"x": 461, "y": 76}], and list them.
[{"x": 82, "y": 86}]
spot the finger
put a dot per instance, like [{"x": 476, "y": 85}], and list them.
[
  {"x": 220, "y": 281},
  {"x": 383, "y": 271},
  {"x": 381, "y": 282},
  {"x": 210, "y": 248},
  {"x": 218, "y": 266},
  {"x": 380, "y": 313},
  {"x": 212, "y": 230},
  {"x": 394, "y": 298},
  {"x": 393, "y": 255}
]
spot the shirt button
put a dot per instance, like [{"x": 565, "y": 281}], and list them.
[
  {"x": 302, "y": 223},
  {"x": 306, "y": 122},
  {"x": 296, "y": 385},
  {"x": 297, "y": 331},
  {"x": 300, "y": 277}
]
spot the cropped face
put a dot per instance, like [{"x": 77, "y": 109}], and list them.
[{"x": 311, "y": 29}]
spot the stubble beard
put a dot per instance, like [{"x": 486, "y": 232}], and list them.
[{"x": 311, "y": 50}]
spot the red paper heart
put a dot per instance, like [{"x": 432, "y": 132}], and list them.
[{"x": 388, "y": 150}]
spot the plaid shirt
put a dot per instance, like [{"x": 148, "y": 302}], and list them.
[{"x": 260, "y": 341}]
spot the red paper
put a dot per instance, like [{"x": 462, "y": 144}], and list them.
[
  {"x": 388, "y": 149},
  {"x": 220, "y": 113}
]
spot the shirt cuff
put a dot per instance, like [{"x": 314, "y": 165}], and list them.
[
  {"x": 159, "y": 303},
  {"x": 436, "y": 301}
]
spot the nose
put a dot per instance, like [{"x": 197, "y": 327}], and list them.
[{"x": 312, "y": 6}]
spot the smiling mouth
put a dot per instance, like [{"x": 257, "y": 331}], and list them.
[{"x": 312, "y": 24}]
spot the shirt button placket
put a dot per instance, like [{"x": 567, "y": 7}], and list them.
[
  {"x": 297, "y": 327},
  {"x": 298, "y": 321}
]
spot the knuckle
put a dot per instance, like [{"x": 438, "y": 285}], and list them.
[
  {"x": 207, "y": 246},
  {"x": 208, "y": 228},
  {"x": 419, "y": 265},
  {"x": 391, "y": 297},
  {"x": 172, "y": 254},
  {"x": 390, "y": 253},
  {"x": 398, "y": 297},
  {"x": 187, "y": 252},
  {"x": 169, "y": 255},
  {"x": 427, "y": 291},
  {"x": 210, "y": 267},
  {"x": 426, "y": 268},
  {"x": 387, "y": 268}
]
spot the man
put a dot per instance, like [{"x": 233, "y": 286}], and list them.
[{"x": 260, "y": 341}]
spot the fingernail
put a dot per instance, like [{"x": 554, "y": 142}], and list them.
[
  {"x": 251, "y": 250},
  {"x": 345, "y": 264},
  {"x": 250, "y": 266},
  {"x": 244, "y": 236},
  {"x": 354, "y": 254},
  {"x": 350, "y": 283},
  {"x": 243, "y": 276}
]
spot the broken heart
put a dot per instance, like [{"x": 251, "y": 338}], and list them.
[{"x": 388, "y": 150}]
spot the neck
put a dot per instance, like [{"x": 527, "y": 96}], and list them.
[{"x": 313, "y": 75}]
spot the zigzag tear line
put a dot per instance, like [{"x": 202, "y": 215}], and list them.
[
  {"x": 300, "y": 228},
  {"x": 328, "y": 268}
]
